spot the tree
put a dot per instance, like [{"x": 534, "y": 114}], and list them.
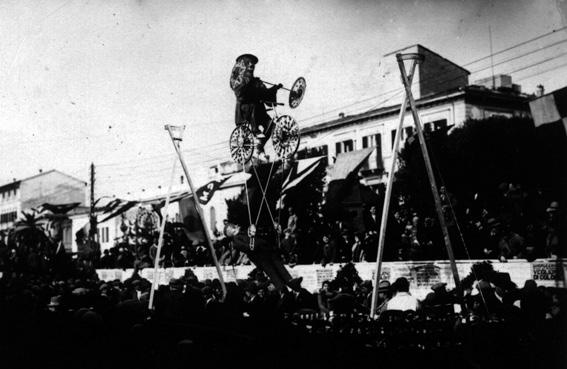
[
  {"x": 475, "y": 158},
  {"x": 29, "y": 230}
]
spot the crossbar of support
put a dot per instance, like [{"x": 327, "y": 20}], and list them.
[{"x": 176, "y": 144}]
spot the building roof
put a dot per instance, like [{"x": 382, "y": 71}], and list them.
[
  {"x": 428, "y": 50},
  {"x": 468, "y": 93},
  {"x": 10, "y": 186},
  {"x": 16, "y": 184}
]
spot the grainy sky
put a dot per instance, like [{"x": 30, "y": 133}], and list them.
[{"x": 95, "y": 81}]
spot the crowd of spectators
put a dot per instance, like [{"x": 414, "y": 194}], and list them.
[
  {"x": 513, "y": 225},
  {"x": 80, "y": 321},
  {"x": 510, "y": 225}
]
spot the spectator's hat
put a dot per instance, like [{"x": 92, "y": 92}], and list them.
[
  {"x": 54, "y": 301},
  {"x": 248, "y": 57},
  {"x": 175, "y": 282},
  {"x": 384, "y": 286},
  {"x": 553, "y": 207},
  {"x": 438, "y": 286},
  {"x": 79, "y": 291}
]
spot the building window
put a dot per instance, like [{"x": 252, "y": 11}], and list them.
[
  {"x": 372, "y": 141},
  {"x": 8, "y": 217},
  {"x": 427, "y": 127},
  {"x": 440, "y": 124},
  {"x": 103, "y": 234},
  {"x": 374, "y": 161},
  {"x": 344, "y": 146},
  {"x": 311, "y": 152},
  {"x": 393, "y": 136},
  {"x": 105, "y": 237}
]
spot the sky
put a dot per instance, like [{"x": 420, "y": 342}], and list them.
[{"x": 96, "y": 81}]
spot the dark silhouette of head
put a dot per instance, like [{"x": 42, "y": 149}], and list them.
[{"x": 401, "y": 285}]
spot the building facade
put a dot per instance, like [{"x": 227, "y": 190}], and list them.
[
  {"x": 52, "y": 187},
  {"x": 444, "y": 98}
]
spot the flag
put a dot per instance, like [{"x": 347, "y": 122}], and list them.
[
  {"x": 117, "y": 207},
  {"x": 300, "y": 170},
  {"x": 206, "y": 192},
  {"x": 58, "y": 208},
  {"x": 550, "y": 108}
]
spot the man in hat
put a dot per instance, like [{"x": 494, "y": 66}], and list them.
[
  {"x": 251, "y": 95},
  {"x": 263, "y": 255},
  {"x": 440, "y": 300},
  {"x": 551, "y": 229},
  {"x": 383, "y": 295}
]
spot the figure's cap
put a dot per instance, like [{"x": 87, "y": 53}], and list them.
[{"x": 250, "y": 57}]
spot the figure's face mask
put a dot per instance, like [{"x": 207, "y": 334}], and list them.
[
  {"x": 242, "y": 71},
  {"x": 249, "y": 66}
]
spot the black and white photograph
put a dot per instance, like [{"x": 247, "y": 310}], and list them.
[{"x": 283, "y": 184}]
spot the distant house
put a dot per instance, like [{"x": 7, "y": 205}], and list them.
[
  {"x": 108, "y": 232},
  {"x": 52, "y": 187}
]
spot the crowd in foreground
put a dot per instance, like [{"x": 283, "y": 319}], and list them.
[{"x": 81, "y": 321}]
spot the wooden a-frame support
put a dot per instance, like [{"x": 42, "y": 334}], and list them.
[
  {"x": 408, "y": 99},
  {"x": 175, "y": 133}
]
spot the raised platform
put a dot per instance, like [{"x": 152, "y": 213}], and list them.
[{"x": 422, "y": 274}]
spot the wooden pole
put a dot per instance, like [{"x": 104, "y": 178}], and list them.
[
  {"x": 176, "y": 144},
  {"x": 422, "y": 144},
  {"x": 92, "y": 216},
  {"x": 387, "y": 197},
  {"x": 160, "y": 239}
]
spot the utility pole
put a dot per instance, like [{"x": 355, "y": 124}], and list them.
[
  {"x": 92, "y": 216},
  {"x": 491, "y": 58}
]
